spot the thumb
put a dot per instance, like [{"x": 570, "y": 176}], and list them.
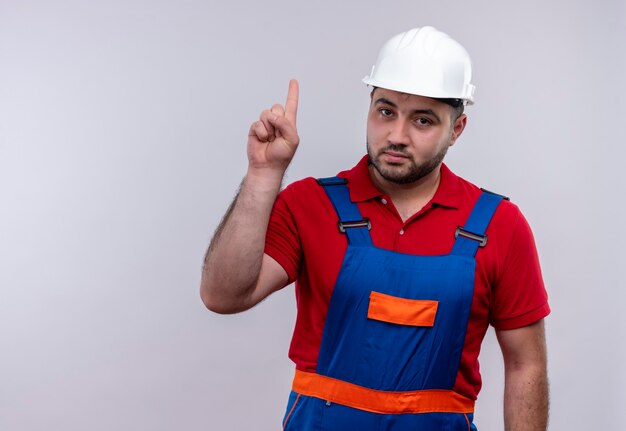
[{"x": 284, "y": 128}]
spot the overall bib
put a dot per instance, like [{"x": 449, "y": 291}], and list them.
[{"x": 394, "y": 333}]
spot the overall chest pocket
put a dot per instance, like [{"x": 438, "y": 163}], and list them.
[{"x": 401, "y": 311}]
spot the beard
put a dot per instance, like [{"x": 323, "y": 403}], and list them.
[{"x": 404, "y": 174}]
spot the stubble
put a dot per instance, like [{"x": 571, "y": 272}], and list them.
[{"x": 407, "y": 174}]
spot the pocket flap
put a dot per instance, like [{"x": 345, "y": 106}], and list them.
[{"x": 402, "y": 311}]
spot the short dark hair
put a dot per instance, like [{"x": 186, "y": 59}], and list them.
[{"x": 458, "y": 107}]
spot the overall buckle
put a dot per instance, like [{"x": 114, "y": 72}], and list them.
[
  {"x": 482, "y": 239},
  {"x": 343, "y": 225}
]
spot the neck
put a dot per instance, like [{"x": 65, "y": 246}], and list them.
[{"x": 408, "y": 198}]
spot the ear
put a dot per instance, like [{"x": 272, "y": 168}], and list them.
[{"x": 457, "y": 128}]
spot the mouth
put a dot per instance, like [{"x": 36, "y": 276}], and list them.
[{"x": 392, "y": 156}]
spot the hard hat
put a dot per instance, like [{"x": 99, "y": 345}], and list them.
[{"x": 425, "y": 62}]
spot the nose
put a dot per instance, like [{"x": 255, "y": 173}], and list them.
[{"x": 398, "y": 132}]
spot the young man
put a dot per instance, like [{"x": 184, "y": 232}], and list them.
[{"x": 400, "y": 265}]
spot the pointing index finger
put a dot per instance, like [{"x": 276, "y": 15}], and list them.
[{"x": 291, "y": 106}]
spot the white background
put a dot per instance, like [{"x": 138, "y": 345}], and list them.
[{"x": 122, "y": 142}]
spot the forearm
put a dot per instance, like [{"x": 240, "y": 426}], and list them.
[
  {"x": 233, "y": 261},
  {"x": 526, "y": 398}
]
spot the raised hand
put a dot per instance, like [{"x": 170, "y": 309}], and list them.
[
  {"x": 273, "y": 139},
  {"x": 237, "y": 274}
]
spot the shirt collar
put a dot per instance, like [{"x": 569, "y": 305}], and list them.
[{"x": 362, "y": 188}]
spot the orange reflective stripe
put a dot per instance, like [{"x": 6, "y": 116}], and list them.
[
  {"x": 386, "y": 402},
  {"x": 291, "y": 411},
  {"x": 402, "y": 311}
]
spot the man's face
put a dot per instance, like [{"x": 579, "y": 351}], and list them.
[{"x": 408, "y": 136}]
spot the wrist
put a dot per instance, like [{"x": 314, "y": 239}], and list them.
[{"x": 264, "y": 179}]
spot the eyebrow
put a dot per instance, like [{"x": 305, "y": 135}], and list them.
[{"x": 382, "y": 100}]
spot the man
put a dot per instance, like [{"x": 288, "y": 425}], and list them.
[{"x": 400, "y": 265}]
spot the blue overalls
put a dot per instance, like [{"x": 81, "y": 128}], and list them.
[{"x": 394, "y": 333}]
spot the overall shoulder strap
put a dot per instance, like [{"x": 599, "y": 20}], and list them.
[
  {"x": 350, "y": 222},
  {"x": 472, "y": 236}
]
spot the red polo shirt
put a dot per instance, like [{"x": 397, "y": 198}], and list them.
[{"x": 304, "y": 239}]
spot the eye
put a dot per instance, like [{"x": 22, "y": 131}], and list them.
[
  {"x": 385, "y": 112},
  {"x": 422, "y": 121}
]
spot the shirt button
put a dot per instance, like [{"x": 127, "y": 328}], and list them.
[
  {"x": 401, "y": 231},
  {"x": 384, "y": 201}
]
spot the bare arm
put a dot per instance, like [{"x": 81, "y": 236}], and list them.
[
  {"x": 237, "y": 274},
  {"x": 526, "y": 379}
]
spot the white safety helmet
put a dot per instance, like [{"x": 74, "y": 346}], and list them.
[{"x": 425, "y": 62}]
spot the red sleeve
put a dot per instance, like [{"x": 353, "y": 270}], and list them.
[
  {"x": 519, "y": 295},
  {"x": 282, "y": 241}
]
